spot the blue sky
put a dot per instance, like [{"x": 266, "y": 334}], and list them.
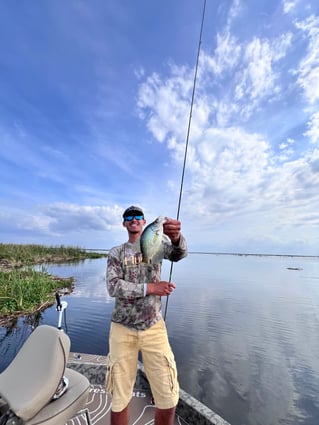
[{"x": 94, "y": 107}]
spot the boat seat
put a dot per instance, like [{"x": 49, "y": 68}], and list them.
[{"x": 29, "y": 384}]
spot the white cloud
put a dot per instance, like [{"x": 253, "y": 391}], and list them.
[
  {"x": 168, "y": 100},
  {"x": 226, "y": 55},
  {"x": 235, "y": 175},
  {"x": 308, "y": 72},
  {"x": 61, "y": 218},
  {"x": 286, "y": 150},
  {"x": 233, "y": 171},
  {"x": 80, "y": 218},
  {"x": 313, "y": 128},
  {"x": 227, "y": 165},
  {"x": 289, "y": 5},
  {"x": 258, "y": 77},
  {"x": 241, "y": 76},
  {"x": 234, "y": 12}
]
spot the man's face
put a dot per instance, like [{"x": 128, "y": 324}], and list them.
[{"x": 134, "y": 224}]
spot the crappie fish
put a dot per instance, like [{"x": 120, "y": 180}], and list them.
[{"x": 151, "y": 241}]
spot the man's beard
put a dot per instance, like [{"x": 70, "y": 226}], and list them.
[{"x": 134, "y": 231}]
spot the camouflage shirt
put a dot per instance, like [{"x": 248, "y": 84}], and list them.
[{"x": 126, "y": 276}]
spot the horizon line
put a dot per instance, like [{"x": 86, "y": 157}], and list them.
[{"x": 229, "y": 253}]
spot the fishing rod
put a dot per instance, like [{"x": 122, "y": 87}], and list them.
[{"x": 187, "y": 136}]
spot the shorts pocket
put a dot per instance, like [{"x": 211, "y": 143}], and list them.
[
  {"x": 171, "y": 373},
  {"x": 109, "y": 381}
]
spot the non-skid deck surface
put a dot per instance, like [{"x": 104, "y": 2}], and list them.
[{"x": 142, "y": 409}]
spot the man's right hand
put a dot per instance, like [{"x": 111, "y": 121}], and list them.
[{"x": 160, "y": 288}]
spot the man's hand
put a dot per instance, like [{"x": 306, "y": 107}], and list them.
[
  {"x": 172, "y": 228},
  {"x": 160, "y": 288}
]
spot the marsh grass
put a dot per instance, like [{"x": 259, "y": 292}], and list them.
[
  {"x": 25, "y": 290},
  {"x": 18, "y": 255}
]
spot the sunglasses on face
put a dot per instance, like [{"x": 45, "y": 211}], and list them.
[{"x": 130, "y": 217}]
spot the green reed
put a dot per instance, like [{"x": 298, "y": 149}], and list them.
[
  {"x": 27, "y": 289},
  {"x": 24, "y": 289},
  {"x": 21, "y": 254}
]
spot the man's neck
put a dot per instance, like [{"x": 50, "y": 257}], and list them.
[{"x": 133, "y": 237}]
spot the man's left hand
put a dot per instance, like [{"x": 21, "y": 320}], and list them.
[{"x": 172, "y": 228}]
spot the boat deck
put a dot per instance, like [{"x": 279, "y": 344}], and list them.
[
  {"x": 188, "y": 412},
  {"x": 142, "y": 408}
]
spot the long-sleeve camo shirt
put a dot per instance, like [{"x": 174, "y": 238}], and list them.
[{"x": 126, "y": 276}]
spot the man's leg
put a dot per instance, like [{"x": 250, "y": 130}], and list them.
[
  {"x": 164, "y": 416},
  {"x": 121, "y": 371},
  {"x": 121, "y": 418},
  {"x": 160, "y": 368}
]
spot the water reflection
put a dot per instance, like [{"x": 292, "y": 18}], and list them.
[
  {"x": 243, "y": 329},
  {"x": 244, "y": 334}
]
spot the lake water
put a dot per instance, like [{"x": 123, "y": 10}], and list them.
[{"x": 244, "y": 330}]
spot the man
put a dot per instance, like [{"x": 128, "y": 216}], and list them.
[{"x": 137, "y": 323}]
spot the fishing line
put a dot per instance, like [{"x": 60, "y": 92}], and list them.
[{"x": 187, "y": 137}]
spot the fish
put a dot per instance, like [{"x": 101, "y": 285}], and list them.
[{"x": 151, "y": 241}]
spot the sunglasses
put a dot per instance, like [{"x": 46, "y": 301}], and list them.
[{"x": 130, "y": 217}]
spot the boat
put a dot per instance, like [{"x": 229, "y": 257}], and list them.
[
  {"x": 47, "y": 384},
  {"x": 189, "y": 411}
]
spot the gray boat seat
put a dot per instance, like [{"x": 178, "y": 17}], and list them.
[{"x": 30, "y": 382}]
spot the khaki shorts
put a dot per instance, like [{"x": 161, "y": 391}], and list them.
[{"x": 158, "y": 361}]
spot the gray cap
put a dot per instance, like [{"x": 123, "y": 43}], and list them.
[{"x": 133, "y": 210}]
